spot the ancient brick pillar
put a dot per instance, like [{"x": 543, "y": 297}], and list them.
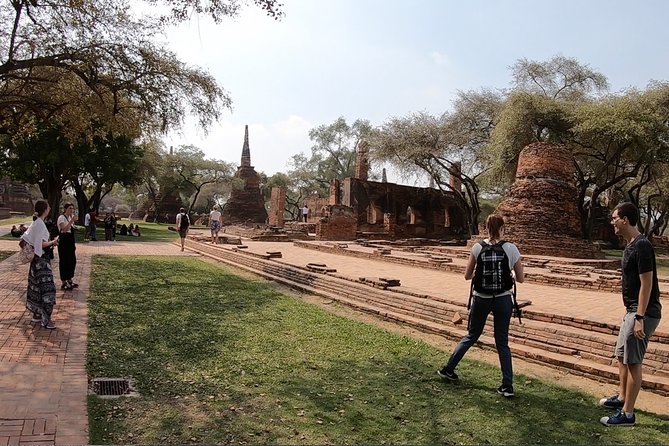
[
  {"x": 277, "y": 204},
  {"x": 362, "y": 162},
  {"x": 334, "y": 194},
  {"x": 454, "y": 179}
]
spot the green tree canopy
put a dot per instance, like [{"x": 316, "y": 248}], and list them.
[
  {"x": 195, "y": 171},
  {"x": 53, "y": 53}
]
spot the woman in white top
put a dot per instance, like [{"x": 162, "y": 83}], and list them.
[
  {"x": 41, "y": 296},
  {"x": 500, "y": 304},
  {"x": 67, "y": 258}
]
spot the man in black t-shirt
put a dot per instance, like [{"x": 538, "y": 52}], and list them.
[{"x": 641, "y": 297}]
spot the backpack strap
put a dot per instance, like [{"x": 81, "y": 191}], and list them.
[
  {"x": 516, "y": 308},
  {"x": 471, "y": 287}
]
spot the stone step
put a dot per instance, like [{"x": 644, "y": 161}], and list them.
[
  {"x": 541, "y": 338},
  {"x": 553, "y": 332}
]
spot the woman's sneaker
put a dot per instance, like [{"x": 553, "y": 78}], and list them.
[
  {"x": 612, "y": 402},
  {"x": 446, "y": 374},
  {"x": 506, "y": 391}
]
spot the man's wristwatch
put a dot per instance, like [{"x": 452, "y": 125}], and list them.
[{"x": 639, "y": 317}]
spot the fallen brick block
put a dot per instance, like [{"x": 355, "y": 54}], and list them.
[
  {"x": 390, "y": 282},
  {"x": 374, "y": 283},
  {"x": 320, "y": 268}
]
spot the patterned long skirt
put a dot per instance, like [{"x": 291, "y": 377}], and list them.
[{"x": 41, "y": 296}]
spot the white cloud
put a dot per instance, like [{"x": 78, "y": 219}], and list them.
[
  {"x": 293, "y": 127},
  {"x": 439, "y": 58}
]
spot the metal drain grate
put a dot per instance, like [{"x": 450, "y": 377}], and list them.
[{"x": 112, "y": 387}]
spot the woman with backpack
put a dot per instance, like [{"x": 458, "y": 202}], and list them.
[
  {"x": 490, "y": 265},
  {"x": 183, "y": 223}
]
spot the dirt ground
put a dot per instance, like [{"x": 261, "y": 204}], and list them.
[{"x": 647, "y": 401}]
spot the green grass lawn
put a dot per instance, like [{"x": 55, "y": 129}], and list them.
[
  {"x": 222, "y": 359},
  {"x": 151, "y": 232},
  {"x": 661, "y": 262},
  {"x": 16, "y": 220},
  {"x": 5, "y": 254}
]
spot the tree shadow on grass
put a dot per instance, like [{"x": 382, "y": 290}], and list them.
[{"x": 415, "y": 406}]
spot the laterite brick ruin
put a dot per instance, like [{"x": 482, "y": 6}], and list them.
[{"x": 540, "y": 209}]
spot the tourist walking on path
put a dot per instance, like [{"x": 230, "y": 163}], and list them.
[
  {"x": 109, "y": 225},
  {"x": 641, "y": 297},
  {"x": 94, "y": 226},
  {"x": 490, "y": 265},
  {"x": 41, "y": 296},
  {"x": 87, "y": 226},
  {"x": 183, "y": 223},
  {"x": 67, "y": 258},
  {"x": 215, "y": 224}
]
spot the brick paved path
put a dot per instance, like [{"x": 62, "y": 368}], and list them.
[{"x": 43, "y": 383}]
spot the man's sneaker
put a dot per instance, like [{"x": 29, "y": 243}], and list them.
[
  {"x": 506, "y": 391},
  {"x": 618, "y": 419},
  {"x": 446, "y": 374},
  {"x": 612, "y": 402}
]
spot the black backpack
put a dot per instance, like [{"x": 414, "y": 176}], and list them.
[
  {"x": 184, "y": 223},
  {"x": 493, "y": 274}
]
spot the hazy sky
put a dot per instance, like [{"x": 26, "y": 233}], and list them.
[{"x": 374, "y": 59}]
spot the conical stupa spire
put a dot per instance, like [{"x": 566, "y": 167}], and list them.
[{"x": 246, "y": 151}]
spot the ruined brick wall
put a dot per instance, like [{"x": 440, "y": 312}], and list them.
[
  {"x": 540, "y": 211},
  {"x": 277, "y": 206},
  {"x": 318, "y": 207},
  {"x": 418, "y": 211},
  {"x": 168, "y": 208},
  {"x": 339, "y": 225},
  {"x": 15, "y": 196}
]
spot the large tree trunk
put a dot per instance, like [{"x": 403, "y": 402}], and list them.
[{"x": 52, "y": 191}]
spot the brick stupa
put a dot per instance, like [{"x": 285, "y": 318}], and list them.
[
  {"x": 540, "y": 211},
  {"x": 246, "y": 204}
]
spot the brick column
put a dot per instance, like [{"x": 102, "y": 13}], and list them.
[{"x": 277, "y": 204}]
